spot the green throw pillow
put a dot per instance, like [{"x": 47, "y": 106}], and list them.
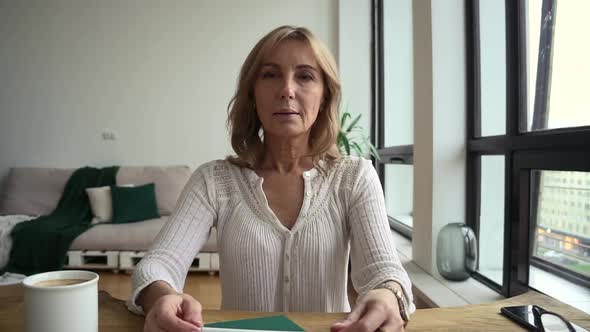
[{"x": 132, "y": 204}]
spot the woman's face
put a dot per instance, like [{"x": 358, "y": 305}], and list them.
[{"x": 289, "y": 90}]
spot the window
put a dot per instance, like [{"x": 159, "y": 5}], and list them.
[
  {"x": 528, "y": 164},
  {"x": 492, "y": 217},
  {"x": 393, "y": 107},
  {"x": 564, "y": 245}
]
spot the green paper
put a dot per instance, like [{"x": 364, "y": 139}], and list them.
[{"x": 274, "y": 323}]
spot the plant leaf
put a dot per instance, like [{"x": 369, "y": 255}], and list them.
[
  {"x": 345, "y": 115},
  {"x": 353, "y": 124},
  {"x": 346, "y": 145},
  {"x": 374, "y": 152},
  {"x": 358, "y": 149},
  {"x": 372, "y": 149}
]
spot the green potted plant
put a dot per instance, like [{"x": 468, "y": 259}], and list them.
[{"x": 351, "y": 138}]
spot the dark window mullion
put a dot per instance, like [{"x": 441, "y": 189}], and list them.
[
  {"x": 380, "y": 76},
  {"x": 473, "y": 79},
  {"x": 553, "y": 139},
  {"x": 374, "y": 72},
  {"x": 519, "y": 240},
  {"x": 515, "y": 97},
  {"x": 399, "y": 149},
  {"x": 377, "y": 83}
]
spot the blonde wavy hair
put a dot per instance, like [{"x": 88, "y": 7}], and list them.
[{"x": 243, "y": 123}]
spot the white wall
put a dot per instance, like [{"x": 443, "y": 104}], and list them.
[
  {"x": 159, "y": 74},
  {"x": 355, "y": 59},
  {"x": 439, "y": 148},
  {"x": 422, "y": 234}
]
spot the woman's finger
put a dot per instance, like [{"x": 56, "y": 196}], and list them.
[
  {"x": 171, "y": 322},
  {"x": 339, "y": 326},
  {"x": 152, "y": 328},
  {"x": 357, "y": 312},
  {"x": 371, "y": 320},
  {"x": 191, "y": 311},
  {"x": 352, "y": 317},
  {"x": 393, "y": 326}
]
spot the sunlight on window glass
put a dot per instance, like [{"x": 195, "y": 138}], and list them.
[
  {"x": 399, "y": 188},
  {"x": 492, "y": 35},
  {"x": 398, "y": 73},
  {"x": 491, "y": 224},
  {"x": 569, "y": 68}
]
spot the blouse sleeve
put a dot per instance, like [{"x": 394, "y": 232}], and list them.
[
  {"x": 180, "y": 239},
  {"x": 374, "y": 258}
]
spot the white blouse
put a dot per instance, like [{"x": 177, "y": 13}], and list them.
[{"x": 263, "y": 265}]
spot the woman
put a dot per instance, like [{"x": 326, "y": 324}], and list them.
[{"x": 288, "y": 208}]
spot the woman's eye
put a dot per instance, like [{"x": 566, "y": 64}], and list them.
[
  {"x": 269, "y": 74},
  {"x": 306, "y": 77}
]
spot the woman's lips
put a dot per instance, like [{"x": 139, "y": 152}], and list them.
[{"x": 286, "y": 112}]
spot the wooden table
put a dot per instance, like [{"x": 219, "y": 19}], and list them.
[{"x": 482, "y": 317}]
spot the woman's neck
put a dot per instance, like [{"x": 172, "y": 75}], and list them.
[{"x": 286, "y": 155}]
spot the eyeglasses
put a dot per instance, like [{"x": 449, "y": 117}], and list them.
[{"x": 549, "y": 321}]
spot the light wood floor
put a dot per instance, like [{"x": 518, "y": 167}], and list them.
[{"x": 205, "y": 288}]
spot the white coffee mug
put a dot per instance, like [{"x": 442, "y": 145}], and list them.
[{"x": 61, "y": 301}]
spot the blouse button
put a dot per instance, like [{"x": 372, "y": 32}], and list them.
[
  {"x": 306, "y": 174},
  {"x": 308, "y": 194}
]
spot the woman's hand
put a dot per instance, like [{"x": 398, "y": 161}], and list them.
[
  {"x": 376, "y": 311},
  {"x": 174, "y": 312}
]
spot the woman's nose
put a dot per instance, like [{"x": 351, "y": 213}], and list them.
[{"x": 287, "y": 91}]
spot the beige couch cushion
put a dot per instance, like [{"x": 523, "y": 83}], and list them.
[
  {"x": 169, "y": 180},
  {"x": 33, "y": 191},
  {"x": 129, "y": 237}
]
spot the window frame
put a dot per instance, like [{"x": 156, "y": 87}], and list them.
[
  {"x": 517, "y": 144},
  {"x": 398, "y": 154},
  {"x": 523, "y": 187}
]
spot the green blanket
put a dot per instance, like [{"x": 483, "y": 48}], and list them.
[{"x": 41, "y": 244}]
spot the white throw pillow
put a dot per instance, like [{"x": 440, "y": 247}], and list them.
[{"x": 101, "y": 203}]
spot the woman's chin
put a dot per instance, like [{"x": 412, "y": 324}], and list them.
[{"x": 285, "y": 132}]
